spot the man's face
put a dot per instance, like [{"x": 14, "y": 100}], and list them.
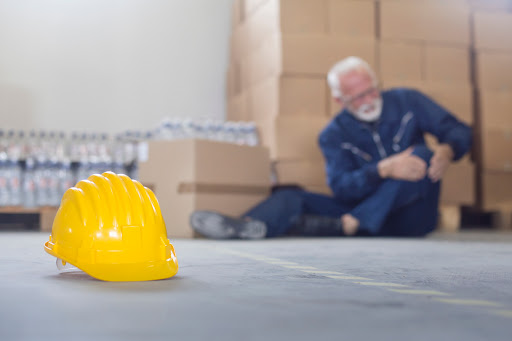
[{"x": 360, "y": 95}]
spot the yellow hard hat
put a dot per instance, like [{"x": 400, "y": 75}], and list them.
[{"x": 111, "y": 227}]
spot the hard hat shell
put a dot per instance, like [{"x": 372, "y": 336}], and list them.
[{"x": 111, "y": 227}]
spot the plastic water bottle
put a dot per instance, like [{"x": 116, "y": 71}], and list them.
[
  {"x": 41, "y": 183},
  {"x": 29, "y": 185},
  {"x": 4, "y": 184},
  {"x": 252, "y": 137},
  {"x": 52, "y": 175},
  {"x": 14, "y": 182}
]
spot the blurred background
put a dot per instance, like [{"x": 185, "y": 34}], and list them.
[{"x": 154, "y": 88}]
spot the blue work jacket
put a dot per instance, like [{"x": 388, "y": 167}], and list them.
[{"x": 353, "y": 148}]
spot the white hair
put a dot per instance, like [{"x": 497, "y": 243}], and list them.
[{"x": 344, "y": 67}]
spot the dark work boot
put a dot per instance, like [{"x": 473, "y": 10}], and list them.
[
  {"x": 217, "y": 226},
  {"x": 317, "y": 226}
]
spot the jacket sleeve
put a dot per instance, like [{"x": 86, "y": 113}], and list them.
[
  {"x": 348, "y": 182},
  {"x": 439, "y": 122}
]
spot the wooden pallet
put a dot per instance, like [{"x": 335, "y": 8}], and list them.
[
  {"x": 46, "y": 214},
  {"x": 502, "y": 218},
  {"x": 449, "y": 218}
]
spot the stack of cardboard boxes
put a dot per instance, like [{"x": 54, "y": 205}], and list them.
[
  {"x": 426, "y": 45},
  {"x": 493, "y": 55},
  {"x": 281, "y": 52},
  {"x": 189, "y": 175}
]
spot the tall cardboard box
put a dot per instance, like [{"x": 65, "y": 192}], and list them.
[
  {"x": 288, "y": 96},
  {"x": 427, "y": 21},
  {"x": 497, "y": 149},
  {"x": 188, "y": 175},
  {"x": 400, "y": 60},
  {"x": 306, "y": 55},
  {"x": 238, "y": 108},
  {"x": 490, "y": 5},
  {"x": 494, "y": 70},
  {"x": 293, "y": 137},
  {"x": 237, "y": 13},
  {"x": 496, "y": 190},
  {"x": 287, "y": 17},
  {"x": 495, "y": 109},
  {"x": 352, "y": 18},
  {"x": 252, "y": 5},
  {"x": 492, "y": 31},
  {"x": 459, "y": 184}
]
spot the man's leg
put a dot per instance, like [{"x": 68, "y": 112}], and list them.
[
  {"x": 416, "y": 219},
  {"x": 392, "y": 195},
  {"x": 300, "y": 211}
]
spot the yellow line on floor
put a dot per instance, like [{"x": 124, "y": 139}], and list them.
[
  {"x": 283, "y": 263},
  {"x": 458, "y": 301},
  {"x": 381, "y": 284},
  {"x": 351, "y": 277},
  {"x": 504, "y": 313},
  {"x": 420, "y": 292},
  {"x": 322, "y": 272}
]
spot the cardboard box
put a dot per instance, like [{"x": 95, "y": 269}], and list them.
[
  {"x": 458, "y": 99},
  {"x": 334, "y": 108},
  {"x": 427, "y": 21},
  {"x": 296, "y": 17},
  {"x": 490, "y": 5},
  {"x": 494, "y": 71},
  {"x": 447, "y": 64},
  {"x": 309, "y": 17},
  {"x": 240, "y": 46},
  {"x": 288, "y": 96},
  {"x": 496, "y": 190},
  {"x": 497, "y": 149},
  {"x": 492, "y": 31},
  {"x": 301, "y": 172},
  {"x": 306, "y": 55},
  {"x": 352, "y": 18},
  {"x": 252, "y": 5},
  {"x": 424, "y": 62},
  {"x": 293, "y": 137},
  {"x": 233, "y": 80},
  {"x": 459, "y": 184},
  {"x": 189, "y": 175},
  {"x": 400, "y": 61},
  {"x": 237, "y": 14},
  {"x": 495, "y": 109},
  {"x": 238, "y": 108}
]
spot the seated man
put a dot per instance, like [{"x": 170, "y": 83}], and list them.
[{"x": 385, "y": 181}]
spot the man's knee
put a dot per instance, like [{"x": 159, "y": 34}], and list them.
[{"x": 287, "y": 195}]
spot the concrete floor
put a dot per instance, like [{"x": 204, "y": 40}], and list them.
[{"x": 447, "y": 287}]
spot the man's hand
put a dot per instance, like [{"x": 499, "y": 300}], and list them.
[
  {"x": 403, "y": 166},
  {"x": 440, "y": 161}
]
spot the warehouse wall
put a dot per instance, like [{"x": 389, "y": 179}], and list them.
[{"x": 111, "y": 65}]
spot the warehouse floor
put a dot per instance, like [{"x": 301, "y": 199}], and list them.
[{"x": 447, "y": 287}]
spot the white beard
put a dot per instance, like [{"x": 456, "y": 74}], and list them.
[{"x": 369, "y": 112}]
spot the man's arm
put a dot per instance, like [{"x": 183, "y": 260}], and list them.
[
  {"x": 454, "y": 136},
  {"x": 349, "y": 182}
]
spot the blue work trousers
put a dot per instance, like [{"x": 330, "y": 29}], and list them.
[{"x": 396, "y": 208}]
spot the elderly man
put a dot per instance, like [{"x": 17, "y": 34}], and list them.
[{"x": 384, "y": 179}]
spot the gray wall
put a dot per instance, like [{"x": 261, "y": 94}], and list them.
[{"x": 111, "y": 65}]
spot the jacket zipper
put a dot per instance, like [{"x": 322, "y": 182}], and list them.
[
  {"x": 378, "y": 142},
  {"x": 398, "y": 137}
]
